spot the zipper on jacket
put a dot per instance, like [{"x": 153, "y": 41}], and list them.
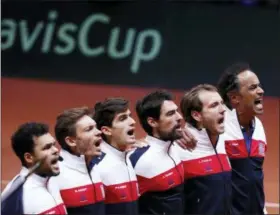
[
  {"x": 227, "y": 203},
  {"x": 94, "y": 190},
  {"x": 130, "y": 181},
  {"x": 56, "y": 204},
  {"x": 175, "y": 165}
]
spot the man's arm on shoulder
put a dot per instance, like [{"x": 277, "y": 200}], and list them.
[{"x": 187, "y": 141}]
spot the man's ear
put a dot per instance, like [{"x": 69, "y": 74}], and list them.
[
  {"x": 70, "y": 141},
  {"x": 196, "y": 115},
  {"x": 152, "y": 122},
  {"x": 29, "y": 158},
  {"x": 106, "y": 130},
  {"x": 234, "y": 97}
]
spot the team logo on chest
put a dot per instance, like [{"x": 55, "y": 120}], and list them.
[
  {"x": 206, "y": 164},
  {"x": 170, "y": 182},
  {"x": 123, "y": 194},
  {"x": 207, "y": 167},
  {"x": 122, "y": 191},
  {"x": 83, "y": 197},
  {"x": 234, "y": 148}
]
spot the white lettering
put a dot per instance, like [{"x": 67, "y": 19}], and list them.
[
  {"x": 80, "y": 190},
  {"x": 49, "y": 37},
  {"x": 84, "y": 32},
  {"x": 168, "y": 174},
  {"x": 120, "y": 187},
  {"x": 205, "y": 160}
]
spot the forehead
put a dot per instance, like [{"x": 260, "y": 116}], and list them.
[
  {"x": 127, "y": 112},
  {"x": 168, "y": 106},
  {"x": 247, "y": 78},
  {"x": 44, "y": 139},
  {"x": 209, "y": 97},
  {"x": 85, "y": 121}
]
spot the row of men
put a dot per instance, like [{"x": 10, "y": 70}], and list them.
[{"x": 211, "y": 165}]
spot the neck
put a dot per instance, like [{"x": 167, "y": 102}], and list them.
[
  {"x": 161, "y": 138},
  {"x": 198, "y": 126},
  {"x": 88, "y": 159},
  {"x": 37, "y": 171},
  {"x": 73, "y": 151},
  {"x": 120, "y": 147},
  {"x": 245, "y": 120},
  {"x": 213, "y": 137},
  {"x": 41, "y": 174},
  {"x": 156, "y": 135}
]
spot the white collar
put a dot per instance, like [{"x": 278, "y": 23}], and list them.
[
  {"x": 107, "y": 148},
  {"x": 36, "y": 179},
  {"x": 234, "y": 118},
  {"x": 157, "y": 143},
  {"x": 74, "y": 161},
  {"x": 201, "y": 135}
]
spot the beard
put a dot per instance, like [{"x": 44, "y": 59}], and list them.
[
  {"x": 46, "y": 172},
  {"x": 170, "y": 136}
]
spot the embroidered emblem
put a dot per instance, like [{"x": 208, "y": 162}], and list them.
[
  {"x": 208, "y": 167},
  {"x": 83, "y": 198},
  {"x": 123, "y": 194},
  {"x": 170, "y": 181},
  {"x": 234, "y": 149}
]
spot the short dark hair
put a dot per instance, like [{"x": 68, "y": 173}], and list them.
[
  {"x": 22, "y": 140},
  {"x": 150, "y": 106},
  {"x": 104, "y": 112},
  {"x": 66, "y": 124},
  {"x": 191, "y": 102},
  {"x": 229, "y": 82}
]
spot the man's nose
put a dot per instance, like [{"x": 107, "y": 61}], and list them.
[
  {"x": 222, "y": 108},
  {"x": 98, "y": 132},
  {"x": 132, "y": 121},
  {"x": 260, "y": 91},
  {"x": 179, "y": 117},
  {"x": 55, "y": 150}
]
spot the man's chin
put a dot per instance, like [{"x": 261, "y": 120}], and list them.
[
  {"x": 177, "y": 136},
  {"x": 55, "y": 173},
  {"x": 130, "y": 141},
  {"x": 259, "y": 112}
]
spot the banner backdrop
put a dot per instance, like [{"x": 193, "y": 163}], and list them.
[{"x": 170, "y": 45}]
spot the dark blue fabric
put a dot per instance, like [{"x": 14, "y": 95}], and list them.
[
  {"x": 247, "y": 186},
  {"x": 13, "y": 204},
  {"x": 96, "y": 160},
  {"x": 96, "y": 209},
  {"x": 160, "y": 202},
  {"x": 209, "y": 194},
  {"x": 125, "y": 208},
  {"x": 248, "y": 137},
  {"x": 165, "y": 202},
  {"x": 137, "y": 154}
]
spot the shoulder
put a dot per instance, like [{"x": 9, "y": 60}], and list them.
[
  {"x": 12, "y": 204},
  {"x": 35, "y": 198},
  {"x": 137, "y": 154},
  {"x": 97, "y": 160},
  {"x": 13, "y": 183}
]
